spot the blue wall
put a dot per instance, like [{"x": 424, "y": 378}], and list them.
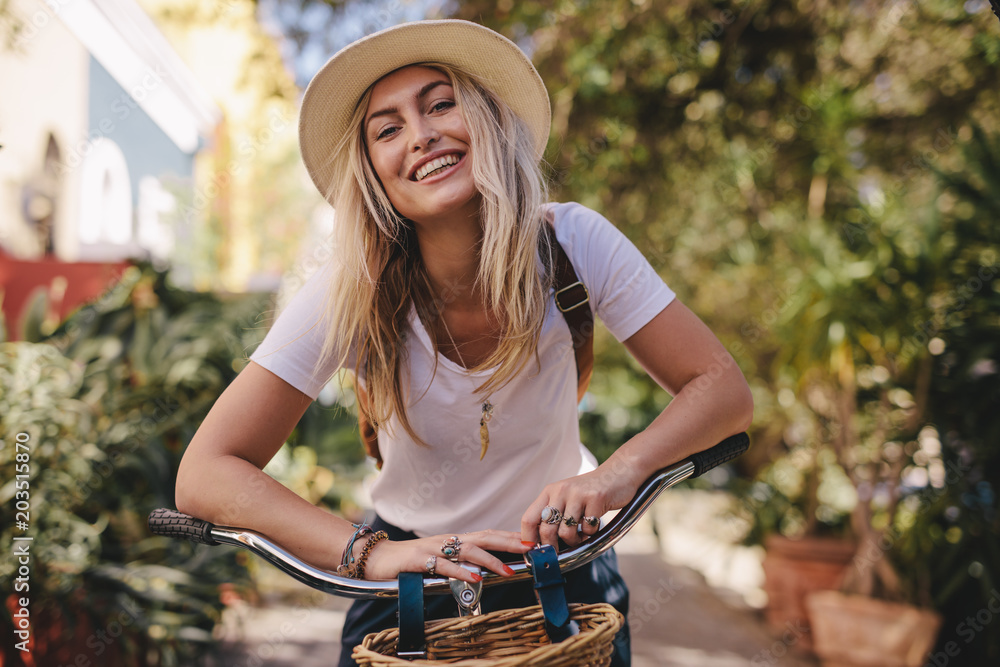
[{"x": 114, "y": 114}]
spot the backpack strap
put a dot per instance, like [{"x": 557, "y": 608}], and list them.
[{"x": 573, "y": 301}]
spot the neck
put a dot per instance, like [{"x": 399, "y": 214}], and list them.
[{"x": 450, "y": 252}]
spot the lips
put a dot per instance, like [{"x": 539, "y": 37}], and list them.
[{"x": 434, "y": 164}]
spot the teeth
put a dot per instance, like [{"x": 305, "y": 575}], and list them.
[{"x": 435, "y": 164}]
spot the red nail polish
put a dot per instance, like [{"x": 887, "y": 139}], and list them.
[
  {"x": 507, "y": 570},
  {"x": 476, "y": 577},
  {"x": 527, "y": 544}
]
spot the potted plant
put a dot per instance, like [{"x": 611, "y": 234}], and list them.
[
  {"x": 905, "y": 325},
  {"x": 874, "y": 619},
  {"x": 862, "y": 385},
  {"x": 797, "y": 507},
  {"x": 925, "y": 440}
]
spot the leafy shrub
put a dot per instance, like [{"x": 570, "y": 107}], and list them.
[{"x": 107, "y": 404}]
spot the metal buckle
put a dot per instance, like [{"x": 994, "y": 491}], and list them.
[
  {"x": 411, "y": 655},
  {"x": 586, "y": 296}
]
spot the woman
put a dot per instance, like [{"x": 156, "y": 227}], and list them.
[{"x": 427, "y": 138}]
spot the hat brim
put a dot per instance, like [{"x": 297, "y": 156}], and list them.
[{"x": 332, "y": 95}]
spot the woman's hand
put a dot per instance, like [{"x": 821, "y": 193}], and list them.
[
  {"x": 388, "y": 559},
  {"x": 580, "y": 501}
]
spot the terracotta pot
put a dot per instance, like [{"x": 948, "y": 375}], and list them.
[
  {"x": 795, "y": 568},
  {"x": 859, "y": 631}
]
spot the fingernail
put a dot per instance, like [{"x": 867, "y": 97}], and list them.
[
  {"x": 476, "y": 577},
  {"x": 527, "y": 544},
  {"x": 507, "y": 570}
]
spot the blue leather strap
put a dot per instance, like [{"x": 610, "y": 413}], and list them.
[
  {"x": 412, "y": 644},
  {"x": 549, "y": 589}
]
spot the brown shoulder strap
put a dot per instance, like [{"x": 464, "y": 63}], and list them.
[{"x": 573, "y": 301}]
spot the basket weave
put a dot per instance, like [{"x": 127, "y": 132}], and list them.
[{"x": 506, "y": 638}]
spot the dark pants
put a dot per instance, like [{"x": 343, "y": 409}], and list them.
[{"x": 599, "y": 581}]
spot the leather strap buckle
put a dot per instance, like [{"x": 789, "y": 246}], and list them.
[
  {"x": 551, "y": 595},
  {"x": 584, "y": 298}
]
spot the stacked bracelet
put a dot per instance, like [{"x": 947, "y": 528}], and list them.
[
  {"x": 366, "y": 551},
  {"x": 346, "y": 568}
]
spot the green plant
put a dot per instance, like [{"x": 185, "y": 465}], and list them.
[
  {"x": 953, "y": 543},
  {"x": 108, "y": 402},
  {"x": 95, "y": 576},
  {"x": 802, "y": 493},
  {"x": 908, "y": 392}
]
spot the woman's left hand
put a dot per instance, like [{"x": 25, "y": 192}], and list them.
[{"x": 580, "y": 502}]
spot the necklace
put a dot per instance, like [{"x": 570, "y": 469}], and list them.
[{"x": 484, "y": 419}]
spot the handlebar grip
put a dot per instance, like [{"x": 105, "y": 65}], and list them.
[
  {"x": 171, "y": 523},
  {"x": 726, "y": 450}
]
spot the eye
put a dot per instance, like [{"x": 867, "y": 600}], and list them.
[
  {"x": 443, "y": 105},
  {"x": 386, "y": 131}
]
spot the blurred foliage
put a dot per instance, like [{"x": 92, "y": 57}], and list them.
[
  {"x": 830, "y": 209},
  {"x": 953, "y": 542},
  {"x": 242, "y": 219},
  {"x": 12, "y": 28},
  {"x": 108, "y": 402}
]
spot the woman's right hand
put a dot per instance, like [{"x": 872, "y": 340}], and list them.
[{"x": 387, "y": 559}]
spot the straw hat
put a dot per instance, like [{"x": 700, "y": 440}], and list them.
[{"x": 333, "y": 94}]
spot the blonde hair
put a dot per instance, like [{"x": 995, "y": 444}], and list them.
[{"x": 379, "y": 273}]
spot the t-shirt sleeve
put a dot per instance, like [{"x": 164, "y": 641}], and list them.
[
  {"x": 625, "y": 291},
  {"x": 291, "y": 349}
]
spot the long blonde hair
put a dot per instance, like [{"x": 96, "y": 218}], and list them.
[{"x": 379, "y": 272}]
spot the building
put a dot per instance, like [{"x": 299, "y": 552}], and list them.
[{"x": 100, "y": 125}]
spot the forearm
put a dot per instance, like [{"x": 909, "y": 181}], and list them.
[
  {"x": 220, "y": 478},
  {"x": 228, "y": 490},
  {"x": 233, "y": 491},
  {"x": 708, "y": 409}
]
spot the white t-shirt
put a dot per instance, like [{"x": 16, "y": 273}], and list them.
[{"x": 534, "y": 433}]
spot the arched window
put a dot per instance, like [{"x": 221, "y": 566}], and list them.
[{"x": 41, "y": 197}]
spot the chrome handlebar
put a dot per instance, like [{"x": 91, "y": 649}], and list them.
[{"x": 175, "y": 524}]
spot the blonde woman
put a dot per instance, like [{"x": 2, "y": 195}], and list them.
[{"x": 426, "y": 138}]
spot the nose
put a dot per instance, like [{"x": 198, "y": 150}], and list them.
[{"x": 423, "y": 134}]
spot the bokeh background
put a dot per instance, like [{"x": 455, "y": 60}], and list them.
[{"x": 818, "y": 179}]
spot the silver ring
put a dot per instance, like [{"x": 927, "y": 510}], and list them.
[
  {"x": 451, "y": 547},
  {"x": 591, "y": 520},
  {"x": 551, "y": 515},
  {"x": 431, "y": 565}
]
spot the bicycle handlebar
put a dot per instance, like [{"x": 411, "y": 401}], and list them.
[{"x": 171, "y": 523}]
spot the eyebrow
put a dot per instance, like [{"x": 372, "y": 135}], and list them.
[{"x": 420, "y": 94}]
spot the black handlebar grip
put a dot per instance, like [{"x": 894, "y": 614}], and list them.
[
  {"x": 726, "y": 450},
  {"x": 171, "y": 523}
]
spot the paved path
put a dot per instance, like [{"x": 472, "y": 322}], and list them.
[{"x": 678, "y": 619}]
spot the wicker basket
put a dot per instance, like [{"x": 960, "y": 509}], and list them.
[{"x": 506, "y": 638}]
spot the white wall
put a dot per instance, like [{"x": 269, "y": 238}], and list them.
[{"x": 44, "y": 84}]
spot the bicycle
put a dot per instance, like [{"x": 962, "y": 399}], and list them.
[{"x": 410, "y": 641}]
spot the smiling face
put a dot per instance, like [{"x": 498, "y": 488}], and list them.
[{"x": 419, "y": 145}]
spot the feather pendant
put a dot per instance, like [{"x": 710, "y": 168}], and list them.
[
  {"x": 484, "y": 432},
  {"x": 484, "y": 439}
]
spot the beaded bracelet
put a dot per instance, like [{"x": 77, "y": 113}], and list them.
[
  {"x": 366, "y": 551},
  {"x": 346, "y": 568}
]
